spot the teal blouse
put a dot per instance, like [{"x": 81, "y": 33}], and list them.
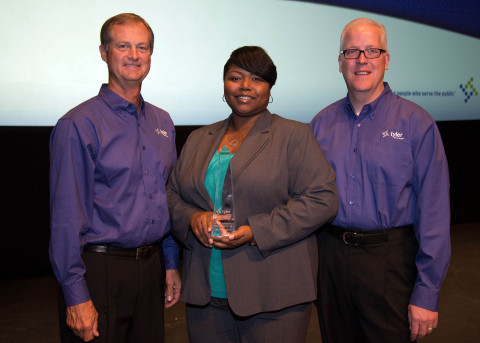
[{"x": 214, "y": 183}]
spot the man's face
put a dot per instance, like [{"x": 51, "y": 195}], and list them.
[
  {"x": 128, "y": 55},
  {"x": 363, "y": 76}
]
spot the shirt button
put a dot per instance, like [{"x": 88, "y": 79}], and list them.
[
  {"x": 354, "y": 177},
  {"x": 358, "y": 125},
  {"x": 350, "y": 202}
]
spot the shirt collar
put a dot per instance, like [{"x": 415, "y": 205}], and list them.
[
  {"x": 117, "y": 103},
  {"x": 369, "y": 109}
]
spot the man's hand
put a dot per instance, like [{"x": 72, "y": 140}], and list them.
[
  {"x": 173, "y": 287},
  {"x": 82, "y": 319},
  {"x": 422, "y": 322}
]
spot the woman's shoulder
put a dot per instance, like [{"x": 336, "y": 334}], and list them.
[
  {"x": 208, "y": 129},
  {"x": 283, "y": 123}
]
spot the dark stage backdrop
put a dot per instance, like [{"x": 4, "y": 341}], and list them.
[{"x": 24, "y": 185}]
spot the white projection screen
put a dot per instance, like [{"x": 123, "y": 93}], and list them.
[{"x": 51, "y": 62}]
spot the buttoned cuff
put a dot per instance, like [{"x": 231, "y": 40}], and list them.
[
  {"x": 425, "y": 298},
  {"x": 75, "y": 294}
]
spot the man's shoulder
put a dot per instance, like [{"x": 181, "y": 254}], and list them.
[
  {"x": 155, "y": 109},
  {"x": 409, "y": 109},
  {"x": 334, "y": 106},
  {"x": 331, "y": 110},
  {"x": 159, "y": 113},
  {"x": 82, "y": 120},
  {"x": 88, "y": 108}
]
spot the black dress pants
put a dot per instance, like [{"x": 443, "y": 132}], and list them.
[
  {"x": 128, "y": 295},
  {"x": 364, "y": 291}
]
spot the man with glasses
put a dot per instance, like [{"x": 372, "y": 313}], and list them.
[
  {"x": 384, "y": 258},
  {"x": 110, "y": 246}
]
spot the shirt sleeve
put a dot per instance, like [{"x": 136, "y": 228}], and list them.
[
  {"x": 432, "y": 217},
  {"x": 171, "y": 252},
  {"x": 71, "y": 204}
]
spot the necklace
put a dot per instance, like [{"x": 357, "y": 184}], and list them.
[{"x": 235, "y": 141}]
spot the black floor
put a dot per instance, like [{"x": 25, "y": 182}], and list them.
[{"x": 28, "y": 305}]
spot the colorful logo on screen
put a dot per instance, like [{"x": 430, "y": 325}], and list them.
[{"x": 469, "y": 92}]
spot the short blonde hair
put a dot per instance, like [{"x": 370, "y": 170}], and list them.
[
  {"x": 364, "y": 21},
  {"x": 121, "y": 19}
]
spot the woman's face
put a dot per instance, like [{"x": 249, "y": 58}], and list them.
[{"x": 246, "y": 94}]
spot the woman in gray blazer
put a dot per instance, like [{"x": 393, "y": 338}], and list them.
[{"x": 257, "y": 283}]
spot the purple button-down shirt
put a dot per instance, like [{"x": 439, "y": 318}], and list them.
[
  {"x": 391, "y": 171},
  {"x": 108, "y": 172}
]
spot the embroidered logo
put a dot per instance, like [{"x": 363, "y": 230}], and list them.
[
  {"x": 394, "y": 135},
  {"x": 162, "y": 132}
]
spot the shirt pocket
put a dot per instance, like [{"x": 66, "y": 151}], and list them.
[{"x": 389, "y": 161}]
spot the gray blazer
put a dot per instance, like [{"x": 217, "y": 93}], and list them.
[{"x": 283, "y": 187}]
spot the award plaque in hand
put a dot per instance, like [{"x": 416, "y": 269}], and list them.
[{"x": 223, "y": 218}]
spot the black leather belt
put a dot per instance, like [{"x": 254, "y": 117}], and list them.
[
  {"x": 139, "y": 253},
  {"x": 354, "y": 238}
]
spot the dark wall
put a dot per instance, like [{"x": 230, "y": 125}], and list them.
[
  {"x": 25, "y": 212},
  {"x": 461, "y": 140}
]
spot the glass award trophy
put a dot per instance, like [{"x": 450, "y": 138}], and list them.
[{"x": 223, "y": 218}]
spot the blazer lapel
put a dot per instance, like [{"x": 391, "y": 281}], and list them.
[
  {"x": 255, "y": 141},
  {"x": 206, "y": 149}
]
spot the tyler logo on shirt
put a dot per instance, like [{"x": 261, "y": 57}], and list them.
[
  {"x": 394, "y": 135},
  {"x": 164, "y": 133}
]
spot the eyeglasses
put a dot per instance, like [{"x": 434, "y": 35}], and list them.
[{"x": 368, "y": 53}]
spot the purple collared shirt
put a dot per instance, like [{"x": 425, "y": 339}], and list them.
[
  {"x": 391, "y": 171},
  {"x": 108, "y": 170}
]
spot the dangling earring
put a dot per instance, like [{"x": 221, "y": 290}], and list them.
[
  {"x": 271, "y": 99},
  {"x": 223, "y": 98}
]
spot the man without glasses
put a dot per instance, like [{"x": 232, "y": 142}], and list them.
[{"x": 110, "y": 246}]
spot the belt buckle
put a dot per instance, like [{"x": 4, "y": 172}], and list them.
[
  {"x": 344, "y": 236},
  {"x": 141, "y": 252}
]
